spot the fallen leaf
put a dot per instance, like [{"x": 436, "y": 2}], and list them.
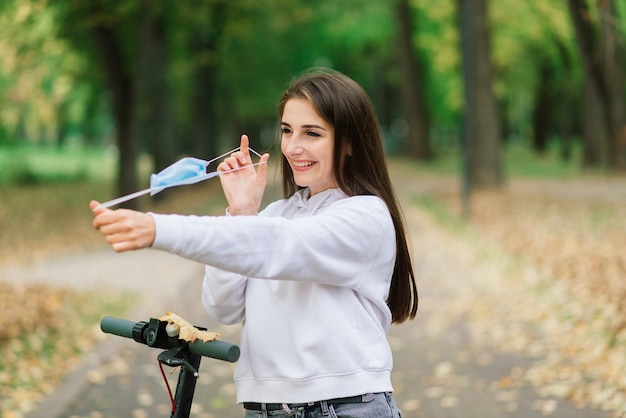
[{"x": 188, "y": 332}]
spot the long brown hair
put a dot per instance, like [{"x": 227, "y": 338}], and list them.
[{"x": 359, "y": 165}]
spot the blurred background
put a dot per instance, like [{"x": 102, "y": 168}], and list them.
[
  {"x": 504, "y": 116},
  {"x": 165, "y": 78}
]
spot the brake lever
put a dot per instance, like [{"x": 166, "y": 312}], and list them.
[{"x": 175, "y": 357}]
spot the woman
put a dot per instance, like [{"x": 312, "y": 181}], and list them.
[{"x": 316, "y": 278}]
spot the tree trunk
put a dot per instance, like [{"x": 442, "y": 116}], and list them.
[
  {"x": 90, "y": 124},
  {"x": 594, "y": 127},
  {"x": 122, "y": 87},
  {"x": 602, "y": 58},
  {"x": 413, "y": 92},
  {"x": 204, "y": 46},
  {"x": 612, "y": 46},
  {"x": 62, "y": 125},
  {"x": 566, "y": 96},
  {"x": 542, "y": 109},
  {"x": 153, "y": 91},
  {"x": 482, "y": 132},
  {"x": 204, "y": 130}
]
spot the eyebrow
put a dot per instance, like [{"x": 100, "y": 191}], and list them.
[{"x": 309, "y": 126}]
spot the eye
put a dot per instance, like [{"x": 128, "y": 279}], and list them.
[
  {"x": 285, "y": 130},
  {"x": 313, "y": 134}
]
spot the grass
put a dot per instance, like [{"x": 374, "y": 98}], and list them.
[
  {"x": 30, "y": 165},
  {"x": 441, "y": 213},
  {"x": 518, "y": 161},
  {"x": 521, "y": 162}
]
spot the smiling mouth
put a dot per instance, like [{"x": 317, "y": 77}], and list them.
[{"x": 302, "y": 164}]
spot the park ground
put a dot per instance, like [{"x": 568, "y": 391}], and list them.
[{"x": 520, "y": 312}]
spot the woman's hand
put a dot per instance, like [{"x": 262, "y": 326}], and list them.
[
  {"x": 243, "y": 187},
  {"x": 124, "y": 229}
]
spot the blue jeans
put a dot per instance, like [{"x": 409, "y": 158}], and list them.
[{"x": 381, "y": 405}]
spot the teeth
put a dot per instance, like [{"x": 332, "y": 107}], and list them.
[{"x": 303, "y": 164}]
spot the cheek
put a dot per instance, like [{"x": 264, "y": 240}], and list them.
[{"x": 284, "y": 145}]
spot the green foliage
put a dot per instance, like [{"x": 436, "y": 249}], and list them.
[
  {"x": 45, "y": 85},
  {"x": 528, "y": 36},
  {"x": 53, "y": 89},
  {"x": 438, "y": 42}
]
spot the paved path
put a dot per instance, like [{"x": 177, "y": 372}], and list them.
[{"x": 438, "y": 371}]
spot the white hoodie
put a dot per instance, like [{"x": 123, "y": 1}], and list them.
[{"x": 308, "y": 278}]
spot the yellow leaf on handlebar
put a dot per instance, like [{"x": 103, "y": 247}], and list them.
[{"x": 188, "y": 332}]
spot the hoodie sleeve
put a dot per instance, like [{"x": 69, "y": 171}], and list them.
[
  {"x": 337, "y": 246},
  {"x": 223, "y": 295}
]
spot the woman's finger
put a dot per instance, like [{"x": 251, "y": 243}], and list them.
[
  {"x": 223, "y": 166},
  {"x": 229, "y": 163},
  {"x": 242, "y": 159},
  {"x": 245, "y": 145}
]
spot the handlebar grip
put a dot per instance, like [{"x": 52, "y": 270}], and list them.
[
  {"x": 117, "y": 326},
  {"x": 216, "y": 349}
]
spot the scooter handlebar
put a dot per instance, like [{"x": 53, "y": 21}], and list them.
[{"x": 129, "y": 329}]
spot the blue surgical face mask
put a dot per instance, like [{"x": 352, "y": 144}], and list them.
[{"x": 187, "y": 170}]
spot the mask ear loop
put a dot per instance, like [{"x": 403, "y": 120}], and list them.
[
  {"x": 208, "y": 163},
  {"x": 254, "y": 152},
  {"x": 227, "y": 153},
  {"x": 234, "y": 169},
  {"x": 217, "y": 173}
]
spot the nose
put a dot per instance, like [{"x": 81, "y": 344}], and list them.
[{"x": 292, "y": 145}]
